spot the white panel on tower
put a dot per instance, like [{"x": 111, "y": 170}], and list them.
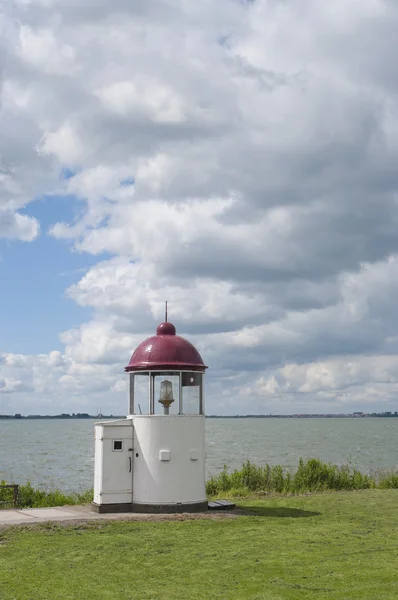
[{"x": 113, "y": 479}]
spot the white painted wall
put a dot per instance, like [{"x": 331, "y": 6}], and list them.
[
  {"x": 170, "y": 466},
  {"x": 113, "y": 470},
  {"x": 167, "y": 460}
]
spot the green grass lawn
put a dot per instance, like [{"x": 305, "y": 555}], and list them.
[{"x": 341, "y": 545}]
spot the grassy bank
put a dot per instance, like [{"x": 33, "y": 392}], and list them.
[
  {"x": 311, "y": 476},
  {"x": 325, "y": 546}
]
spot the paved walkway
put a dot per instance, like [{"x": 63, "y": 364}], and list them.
[
  {"x": 61, "y": 514},
  {"x": 43, "y": 515}
]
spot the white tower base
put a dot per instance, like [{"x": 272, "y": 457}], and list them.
[{"x": 151, "y": 463}]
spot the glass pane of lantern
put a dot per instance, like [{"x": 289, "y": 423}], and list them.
[
  {"x": 191, "y": 386},
  {"x": 141, "y": 394},
  {"x": 166, "y": 390}
]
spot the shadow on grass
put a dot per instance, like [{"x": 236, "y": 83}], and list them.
[{"x": 276, "y": 512}]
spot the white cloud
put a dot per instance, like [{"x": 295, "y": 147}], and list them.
[
  {"x": 14, "y": 225},
  {"x": 42, "y": 50},
  {"x": 64, "y": 143},
  {"x": 235, "y": 158},
  {"x": 158, "y": 103},
  {"x": 10, "y": 385}
]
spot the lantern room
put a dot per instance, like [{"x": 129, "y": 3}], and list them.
[
  {"x": 166, "y": 376},
  {"x": 154, "y": 459}
]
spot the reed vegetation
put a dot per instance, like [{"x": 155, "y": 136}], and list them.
[
  {"x": 31, "y": 497},
  {"x": 312, "y": 475}
]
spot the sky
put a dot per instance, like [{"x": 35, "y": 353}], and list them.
[{"x": 237, "y": 158}]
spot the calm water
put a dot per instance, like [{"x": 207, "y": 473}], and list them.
[{"x": 60, "y": 453}]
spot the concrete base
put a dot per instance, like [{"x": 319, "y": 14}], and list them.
[
  {"x": 151, "y": 508},
  {"x": 195, "y": 507},
  {"x": 111, "y": 508}
]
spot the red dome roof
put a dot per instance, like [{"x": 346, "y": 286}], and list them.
[{"x": 166, "y": 350}]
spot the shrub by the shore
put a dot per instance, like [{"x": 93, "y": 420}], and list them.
[
  {"x": 312, "y": 475},
  {"x": 30, "y": 497}
]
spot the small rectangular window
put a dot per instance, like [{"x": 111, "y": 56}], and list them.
[{"x": 117, "y": 445}]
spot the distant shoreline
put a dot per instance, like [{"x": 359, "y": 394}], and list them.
[{"x": 356, "y": 415}]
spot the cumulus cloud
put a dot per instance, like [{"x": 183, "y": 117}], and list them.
[
  {"x": 15, "y": 225},
  {"x": 236, "y": 158}
]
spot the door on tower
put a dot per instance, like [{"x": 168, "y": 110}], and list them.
[{"x": 114, "y": 446}]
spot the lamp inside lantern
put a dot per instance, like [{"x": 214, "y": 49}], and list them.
[{"x": 166, "y": 395}]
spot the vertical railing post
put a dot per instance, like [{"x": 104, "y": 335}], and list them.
[
  {"x": 131, "y": 394},
  {"x": 180, "y": 407},
  {"x": 201, "y": 395},
  {"x": 151, "y": 394},
  {"x": 16, "y": 494}
]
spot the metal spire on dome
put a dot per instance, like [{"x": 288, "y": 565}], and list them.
[{"x": 165, "y": 314}]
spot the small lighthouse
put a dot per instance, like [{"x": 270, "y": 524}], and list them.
[{"x": 154, "y": 459}]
